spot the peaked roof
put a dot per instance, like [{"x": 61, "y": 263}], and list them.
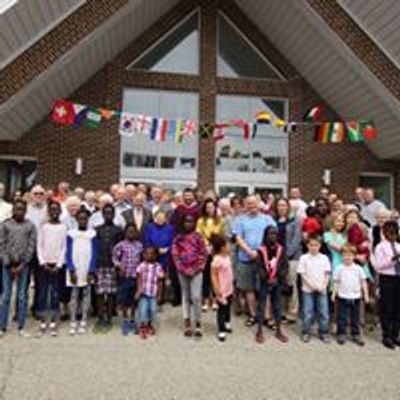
[{"x": 293, "y": 26}]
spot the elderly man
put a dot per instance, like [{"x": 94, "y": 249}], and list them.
[
  {"x": 131, "y": 192},
  {"x": 297, "y": 203},
  {"x": 249, "y": 230},
  {"x": 156, "y": 203},
  {"x": 121, "y": 204},
  {"x": 97, "y": 218},
  {"x": 371, "y": 207},
  {"x": 37, "y": 208},
  {"x": 138, "y": 214},
  {"x": 5, "y": 208},
  {"x": 189, "y": 206}
]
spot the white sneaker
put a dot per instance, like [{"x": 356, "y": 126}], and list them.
[
  {"x": 43, "y": 326},
  {"x": 72, "y": 329},
  {"x": 221, "y": 336},
  {"x": 214, "y": 307},
  {"x": 53, "y": 329},
  {"x": 23, "y": 334},
  {"x": 204, "y": 308},
  {"x": 228, "y": 327},
  {"x": 82, "y": 328}
]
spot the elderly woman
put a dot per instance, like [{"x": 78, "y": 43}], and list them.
[{"x": 71, "y": 207}]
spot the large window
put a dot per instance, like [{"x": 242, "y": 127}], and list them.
[
  {"x": 143, "y": 158},
  {"x": 238, "y": 58},
  {"x": 177, "y": 52}
]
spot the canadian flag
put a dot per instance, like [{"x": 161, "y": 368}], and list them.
[{"x": 63, "y": 112}]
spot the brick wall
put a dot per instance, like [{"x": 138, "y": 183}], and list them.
[{"x": 57, "y": 147}]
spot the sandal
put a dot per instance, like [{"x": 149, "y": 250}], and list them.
[
  {"x": 260, "y": 337},
  {"x": 251, "y": 321}
]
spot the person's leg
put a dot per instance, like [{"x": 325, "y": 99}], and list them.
[
  {"x": 6, "y": 297},
  {"x": 22, "y": 297},
  {"x": 228, "y": 312},
  {"x": 275, "y": 295},
  {"x": 142, "y": 311},
  {"x": 86, "y": 302},
  {"x": 42, "y": 294},
  {"x": 206, "y": 286},
  {"x": 174, "y": 276},
  {"x": 323, "y": 314},
  {"x": 396, "y": 311},
  {"x": 355, "y": 308},
  {"x": 54, "y": 298},
  {"x": 195, "y": 294},
  {"x": 74, "y": 305},
  {"x": 221, "y": 317},
  {"x": 185, "y": 290},
  {"x": 110, "y": 305},
  {"x": 152, "y": 314},
  {"x": 341, "y": 320},
  {"x": 293, "y": 301},
  {"x": 387, "y": 301},
  {"x": 308, "y": 312}
]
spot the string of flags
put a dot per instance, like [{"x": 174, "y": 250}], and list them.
[{"x": 162, "y": 129}]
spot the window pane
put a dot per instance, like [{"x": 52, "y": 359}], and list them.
[
  {"x": 141, "y": 152},
  {"x": 267, "y": 152},
  {"x": 237, "y": 57},
  {"x": 178, "y": 52}
]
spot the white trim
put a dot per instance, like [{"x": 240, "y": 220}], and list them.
[
  {"x": 41, "y": 34},
  {"x": 251, "y": 44},
  {"x": 165, "y": 35},
  {"x": 389, "y": 175},
  {"x": 17, "y": 158}
]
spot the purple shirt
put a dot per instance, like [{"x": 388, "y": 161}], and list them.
[
  {"x": 149, "y": 274},
  {"x": 384, "y": 253},
  {"x": 126, "y": 257}
]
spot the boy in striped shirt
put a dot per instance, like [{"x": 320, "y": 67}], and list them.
[{"x": 149, "y": 273}]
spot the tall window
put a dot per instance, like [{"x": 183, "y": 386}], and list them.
[
  {"x": 238, "y": 58},
  {"x": 177, "y": 52},
  {"x": 142, "y": 157}
]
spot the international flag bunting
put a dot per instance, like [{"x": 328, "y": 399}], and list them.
[
  {"x": 178, "y": 131},
  {"x": 245, "y": 125},
  {"x": 63, "y": 112},
  {"x": 159, "y": 129},
  {"x": 189, "y": 128},
  {"x": 220, "y": 131},
  {"x": 127, "y": 124},
  {"x": 331, "y": 132},
  {"x": 279, "y": 123},
  {"x": 354, "y": 132},
  {"x": 93, "y": 118},
  {"x": 313, "y": 114},
  {"x": 143, "y": 124},
  {"x": 80, "y": 111},
  {"x": 263, "y": 117},
  {"x": 107, "y": 114},
  {"x": 291, "y": 127},
  {"x": 369, "y": 130}
]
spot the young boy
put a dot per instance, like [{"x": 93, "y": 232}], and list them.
[
  {"x": 51, "y": 243},
  {"x": 81, "y": 264},
  {"x": 314, "y": 269},
  {"x": 149, "y": 274},
  {"x": 350, "y": 282},
  {"x": 17, "y": 246},
  {"x": 108, "y": 235},
  {"x": 126, "y": 258}
]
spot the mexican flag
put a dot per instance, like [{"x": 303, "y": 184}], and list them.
[{"x": 93, "y": 118}]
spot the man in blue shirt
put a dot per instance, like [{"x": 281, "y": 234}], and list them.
[{"x": 249, "y": 232}]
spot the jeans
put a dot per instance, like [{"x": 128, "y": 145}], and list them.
[
  {"x": 224, "y": 314},
  {"x": 390, "y": 306},
  {"x": 346, "y": 307},
  {"x": 48, "y": 296},
  {"x": 312, "y": 301},
  {"x": 147, "y": 309},
  {"x": 191, "y": 295},
  {"x": 275, "y": 293},
  {"x": 85, "y": 302},
  {"x": 22, "y": 282}
]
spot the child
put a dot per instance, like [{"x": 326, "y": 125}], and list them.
[
  {"x": 314, "y": 269},
  {"x": 387, "y": 265},
  {"x": 222, "y": 281},
  {"x": 189, "y": 255},
  {"x": 81, "y": 265},
  {"x": 17, "y": 246},
  {"x": 311, "y": 226},
  {"x": 108, "y": 235},
  {"x": 272, "y": 269},
  {"x": 349, "y": 285},
  {"x": 126, "y": 258},
  {"x": 149, "y": 273},
  {"x": 51, "y": 244}
]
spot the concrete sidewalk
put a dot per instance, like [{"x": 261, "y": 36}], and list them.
[{"x": 171, "y": 367}]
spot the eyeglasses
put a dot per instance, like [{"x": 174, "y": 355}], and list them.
[{"x": 39, "y": 194}]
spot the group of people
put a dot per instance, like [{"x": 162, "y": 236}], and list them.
[{"x": 127, "y": 251}]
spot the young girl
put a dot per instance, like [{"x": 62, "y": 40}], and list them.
[
  {"x": 126, "y": 258},
  {"x": 81, "y": 264},
  {"x": 108, "y": 235},
  {"x": 149, "y": 274},
  {"x": 222, "y": 281},
  {"x": 272, "y": 269},
  {"x": 335, "y": 239},
  {"x": 189, "y": 255},
  {"x": 387, "y": 265},
  {"x": 51, "y": 245},
  {"x": 209, "y": 224}
]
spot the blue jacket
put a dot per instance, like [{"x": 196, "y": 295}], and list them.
[{"x": 160, "y": 236}]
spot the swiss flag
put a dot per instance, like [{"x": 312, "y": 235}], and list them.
[{"x": 63, "y": 112}]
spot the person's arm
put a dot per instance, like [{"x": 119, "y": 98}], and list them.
[
  {"x": 61, "y": 258},
  {"x": 214, "y": 279},
  {"x": 30, "y": 249},
  {"x": 4, "y": 258},
  {"x": 301, "y": 269},
  {"x": 332, "y": 244},
  {"x": 68, "y": 257},
  {"x": 40, "y": 245},
  {"x": 93, "y": 258},
  {"x": 202, "y": 251},
  {"x": 138, "y": 283},
  {"x": 334, "y": 290},
  {"x": 294, "y": 242},
  {"x": 244, "y": 247},
  {"x": 325, "y": 283}
]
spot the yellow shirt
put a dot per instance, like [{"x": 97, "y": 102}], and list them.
[{"x": 210, "y": 226}]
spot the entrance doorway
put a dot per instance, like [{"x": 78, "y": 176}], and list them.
[{"x": 383, "y": 185}]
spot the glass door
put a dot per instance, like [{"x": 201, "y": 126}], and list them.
[{"x": 382, "y": 184}]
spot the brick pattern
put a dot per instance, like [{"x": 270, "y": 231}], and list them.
[
  {"x": 56, "y": 147},
  {"x": 57, "y": 42}
]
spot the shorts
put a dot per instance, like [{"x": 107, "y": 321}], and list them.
[
  {"x": 126, "y": 292},
  {"x": 246, "y": 275},
  {"x": 106, "y": 281}
]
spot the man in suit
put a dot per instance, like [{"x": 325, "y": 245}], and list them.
[{"x": 138, "y": 214}]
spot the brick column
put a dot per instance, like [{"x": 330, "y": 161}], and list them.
[{"x": 207, "y": 93}]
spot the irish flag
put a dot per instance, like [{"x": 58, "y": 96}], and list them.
[
  {"x": 313, "y": 114},
  {"x": 331, "y": 132}
]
